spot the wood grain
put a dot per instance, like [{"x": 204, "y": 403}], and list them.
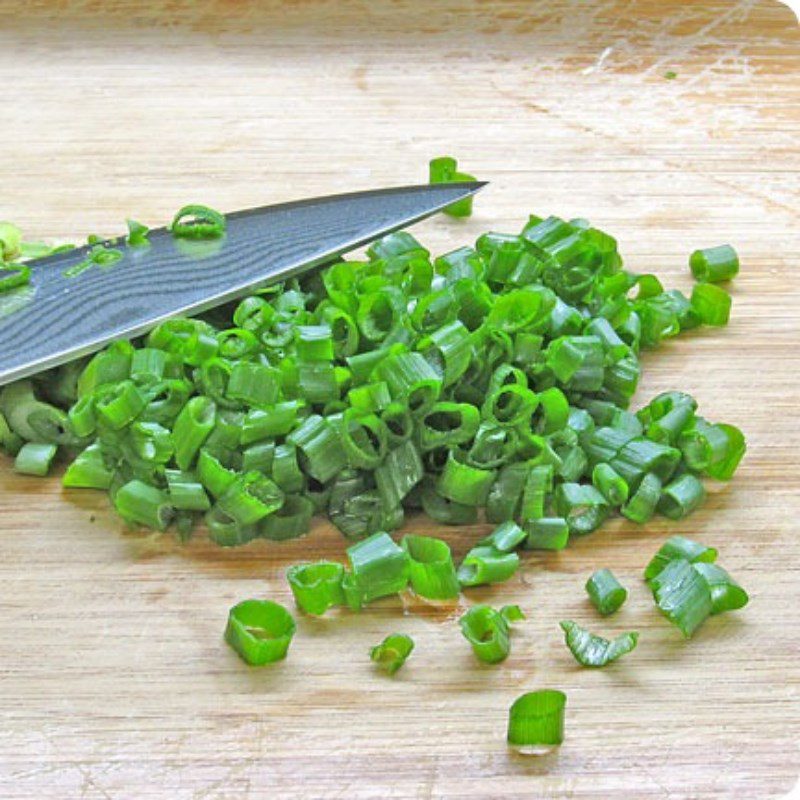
[{"x": 114, "y": 681}]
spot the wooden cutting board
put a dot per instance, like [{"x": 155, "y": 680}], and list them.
[{"x": 114, "y": 680}]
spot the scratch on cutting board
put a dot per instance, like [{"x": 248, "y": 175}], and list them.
[{"x": 598, "y": 64}]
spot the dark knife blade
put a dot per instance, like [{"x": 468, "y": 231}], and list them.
[{"x": 58, "y": 318}]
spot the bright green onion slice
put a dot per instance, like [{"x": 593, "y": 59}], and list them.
[
  {"x": 590, "y": 650},
  {"x": 714, "y": 264},
  {"x": 142, "y": 504},
  {"x": 431, "y": 569},
  {"x": 536, "y": 720},
  {"x": 260, "y": 631},
  {"x": 35, "y": 459},
  {"x": 378, "y": 567},
  {"x": 487, "y": 630},
  {"x": 486, "y": 565},
  {"x": 316, "y": 587},
  {"x": 606, "y": 592},
  {"x": 682, "y": 595},
  {"x": 505, "y": 537},
  {"x": 547, "y": 533},
  {"x": 679, "y": 547},
  {"x": 198, "y": 222},
  {"x": 392, "y": 652},
  {"x": 726, "y": 593}
]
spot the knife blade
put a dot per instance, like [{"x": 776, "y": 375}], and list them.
[{"x": 59, "y": 318}]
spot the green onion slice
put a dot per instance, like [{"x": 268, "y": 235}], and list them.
[
  {"x": 606, "y": 592},
  {"x": 431, "y": 569},
  {"x": 536, "y": 720},
  {"x": 590, "y": 650},
  {"x": 260, "y": 631},
  {"x": 316, "y": 587},
  {"x": 392, "y": 652}
]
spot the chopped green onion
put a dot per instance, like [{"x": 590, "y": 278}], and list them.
[
  {"x": 642, "y": 504},
  {"x": 445, "y": 170},
  {"x": 610, "y": 484},
  {"x": 186, "y": 493},
  {"x": 505, "y": 537},
  {"x": 487, "y": 630},
  {"x": 675, "y": 548},
  {"x": 251, "y": 497},
  {"x": 192, "y": 427},
  {"x": 141, "y": 504},
  {"x": 316, "y": 587},
  {"x": 291, "y": 520},
  {"x": 10, "y": 241},
  {"x": 137, "y": 234},
  {"x": 714, "y": 264},
  {"x": 712, "y": 304},
  {"x": 590, "y": 650},
  {"x": 536, "y": 720},
  {"x": 260, "y": 631},
  {"x": 547, "y": 533},
  {"x": 726, "y": 594},
  {"x": 378, "y": 568},
  {"x": 392, "y": 652},
  {"x": 431, "y": 569},
  {"x": 463, "y": 483},
  {"x": 88, "y": 471},
  {"x": 198, "y": 222},
  {"x": 681, "y": 497},
  {"x": 35, "y": 459},
  {"x": 606, "y": 592},
  {"x": 582, "y": 506},
  {"x": 486, "y": 564},
  {"x": 682, "y": 595}
]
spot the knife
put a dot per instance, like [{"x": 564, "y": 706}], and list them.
[{"x": 58, "y": 318}]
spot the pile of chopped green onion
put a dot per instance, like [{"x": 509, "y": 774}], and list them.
[{"x": 492, "y": 382}]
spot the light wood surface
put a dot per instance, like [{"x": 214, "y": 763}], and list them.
[{"x": 114, "y": 680}]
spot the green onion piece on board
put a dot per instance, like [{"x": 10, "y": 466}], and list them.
[
  {"x": 547, "y": 533},
  {"x": 606, "y": 592},
  {"x": 445, "y": 170},
  {"x": 582, "y": 506},
  {"x": 291, "y": 520},
  {"x": 198, "y": 222},
  {"x": 505, "y": 537},
  {"x": 682, "y": 496},
  {"x": 726, "y": 593},
  {"x": 316, "y": 587},
  {"x": 610, "y": 484},
  {"x": 590, "y": 650},
  {"x": 141, "y": 504},
  {"x": 536, "y": 720},
  {"x": 378, "y": 567},
  {"x": 192, "y": 427},
  {"x": 682, "y": 595},
  {"x": 392, "y": 652},
  {"x": 88, "y": 471},
  {"x": 487, "y": 630},
  {"x": 642, "y": 504},
  {"x": 679, "y": 547},
  {"x": 185, "y": 492},
  {"x": 35, "y": 459},
  {"x": 714, "y": 264},
  {"x": 485, "y": 565},
  {"x": 431, "y": 569},
  {"x": 712, "y": 304},
  {"x": 251, "y": 497},
  {"x": 260, "y": 631}
]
